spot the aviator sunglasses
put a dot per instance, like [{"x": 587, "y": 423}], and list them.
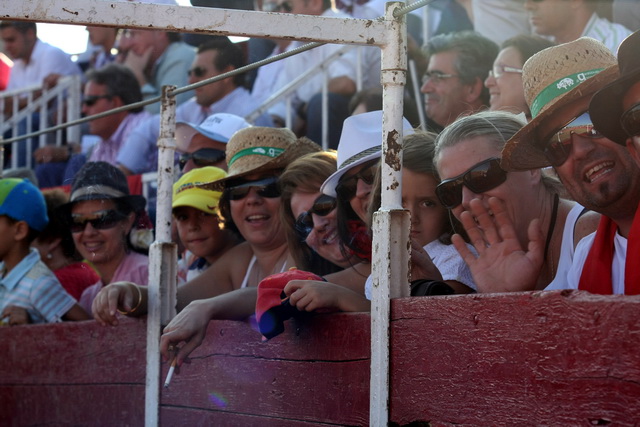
[
  {"x": 482, "y": 177},
  {"x": 630, "y": 120},
  {"x": 559, "y": 146},
  {"x": 202, "y": 157},
  {"x": 101, "y": 220},
  {"x": 267, "y": 187},
  {"x": 347, "y": 187},
  {"x": 322, "y": 206}
]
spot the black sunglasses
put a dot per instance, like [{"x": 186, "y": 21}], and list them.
[
  {"x": 202, "y": 157},
  {"x": 322, "y": 206},
  {"x": 101, "y": 220},
  {"x": 90, "y": 100},
  {"x": 197, "y": 72},
  {"x": 347, "y": 187},
  {"x": 267, "y": 187},
  {"x": 482, "y": 177},
  {"x": 630, "y": 120},
  {"x": 559, "y": 146}
]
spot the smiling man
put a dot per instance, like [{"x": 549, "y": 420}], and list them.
[
  {"x": 598, "y": 173},
  {"x": 454, "y": 81}
]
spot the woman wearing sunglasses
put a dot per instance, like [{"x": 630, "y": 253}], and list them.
[
  {"x": 250, "y": 201},
  {"x": 101, "y": 214},
  {"x": 481, "y": 195}
]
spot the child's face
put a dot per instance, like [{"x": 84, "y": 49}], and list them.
[
  {"x": 428, "y": 216},
  {"x": 6, "y": 236},
  {"x": 100, "y": 245},
  {"x": 200, "y": 232}
]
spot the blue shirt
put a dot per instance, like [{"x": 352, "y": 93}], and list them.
[{"x": 32, "y": 286}]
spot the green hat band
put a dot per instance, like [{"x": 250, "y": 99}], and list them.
[
  {"x": 257, "y": 151},
  {"x": 560, "y": 87}
]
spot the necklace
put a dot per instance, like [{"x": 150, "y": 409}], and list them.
[{"x": 552, "y": 225}]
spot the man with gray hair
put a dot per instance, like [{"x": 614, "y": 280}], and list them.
[{"x": 454, "y": 81}]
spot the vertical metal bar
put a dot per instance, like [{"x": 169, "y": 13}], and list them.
[
  {"x": 288, "y": 121},
  {"x": 359, "y": 53},
  {"x": 416, "y": 83},
  {"x": 390, "y": 262},
  {"x": 162, "y": 259},
  {"x": 325, "y": 109},
  {"x": 15, "y": 145},
  {"x": 59, "y": 116},
  {"x": 73, "y": 109}
]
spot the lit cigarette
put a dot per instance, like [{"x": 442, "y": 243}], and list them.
[{"x": 170, "y": 373}]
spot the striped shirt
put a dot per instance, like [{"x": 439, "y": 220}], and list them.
[
  {"x": 609, "y": 33},
  {"x": 32, "y": 286}
]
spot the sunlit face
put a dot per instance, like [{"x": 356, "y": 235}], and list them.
[
  {"x": 549, "y": 17},
  {"x": 99, "y": 36},
  {"x": 445, "y": 98},
  {"x": 428, "y": 216},
  {"x": 324, "y": 238},
  {"x": 506, "y": 91},
  {"x": 16, "y": 44},
  {"x": 101, "y": 247},
  {"x": 105, "y": 126},
  {"x": 258, "y": 218},
  {"x": 360, "y": 202},
  {"x": 213, "y": 92},
  {"x": 199, "y": 231},
  {"x": 631, "y": 98},
  {"x": 599, "y": 174},
  {"x": 518, "y": 192}
]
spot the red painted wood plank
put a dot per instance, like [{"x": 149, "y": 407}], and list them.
[
  {"x": 524, "y": 359},
  {"x": 72, "y": 405}
]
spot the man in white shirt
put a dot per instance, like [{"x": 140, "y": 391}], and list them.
[{"x": 566, "y": 21}]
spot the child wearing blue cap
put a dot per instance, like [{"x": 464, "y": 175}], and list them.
[{"x": 29, "y": 291}]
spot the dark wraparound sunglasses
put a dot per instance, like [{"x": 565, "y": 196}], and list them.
[
  {"x": 197, "y": 72},
  {"x": 101, "y": 220},
  {"x": 322, "y": 206},
  {"x": 202, "y": 157},
  {"x": 347, "y": 187},
  {"x": 90, "y": 100},
  {"x": 630, "y": 120},
  {"x": 482, "y": 177},
  {"x": 267, "y": 187}
]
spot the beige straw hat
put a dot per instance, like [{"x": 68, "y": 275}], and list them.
[
  {"x": 258, "y": 149},
  {"x": 553, "y": 78}
]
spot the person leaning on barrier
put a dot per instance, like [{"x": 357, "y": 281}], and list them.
[
  {"x": 598, "y": 173},
  {"x": 475, "y": 187}
]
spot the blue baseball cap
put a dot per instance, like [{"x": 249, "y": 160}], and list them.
[{"x": 22, "y": 201}]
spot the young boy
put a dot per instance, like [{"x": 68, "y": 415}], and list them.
[
  {"x": 199, "y": 226},
  {"x": 29, "y": 291}
]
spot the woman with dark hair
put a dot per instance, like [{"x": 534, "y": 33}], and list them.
[
  {"x": 58, "y": 251},
  {"x": 101, "y": 214},
  {"x": 505, "y": 78}
]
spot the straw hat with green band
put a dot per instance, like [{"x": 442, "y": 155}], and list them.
[
  {"x": 261, "y": 149},
  {"x": 554, "y": 78}
]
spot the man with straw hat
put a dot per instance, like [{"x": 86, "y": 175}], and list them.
[{"x": 597, "y": 172}]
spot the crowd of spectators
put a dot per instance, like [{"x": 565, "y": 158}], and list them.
[{"x": 527, "y": 176}]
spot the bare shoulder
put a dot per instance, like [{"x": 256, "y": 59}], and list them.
[{"x": 586, "y": 224}]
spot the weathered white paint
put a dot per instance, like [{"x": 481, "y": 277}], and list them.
[
  {"x": 391, "y": 223},
  {"x": 162, "y": 259}
]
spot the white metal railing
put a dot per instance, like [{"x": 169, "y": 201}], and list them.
[{"x": 58, "y": 104}]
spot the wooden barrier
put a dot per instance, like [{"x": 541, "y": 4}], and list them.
[{"x": 558, "y": 358}]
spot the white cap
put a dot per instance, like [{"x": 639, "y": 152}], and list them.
[
  {"x": 360, "y": 142},
  {"x": 218, "y": 127}
]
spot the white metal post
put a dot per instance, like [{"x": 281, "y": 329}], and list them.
[
  {"x": 390, "y": 263},
  {"x": 162, "y": 259}
]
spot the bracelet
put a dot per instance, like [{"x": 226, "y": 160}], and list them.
[{"x": 126, "y": 313}]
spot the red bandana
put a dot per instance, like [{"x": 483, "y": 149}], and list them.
[{"x": 596, "y": 273}]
